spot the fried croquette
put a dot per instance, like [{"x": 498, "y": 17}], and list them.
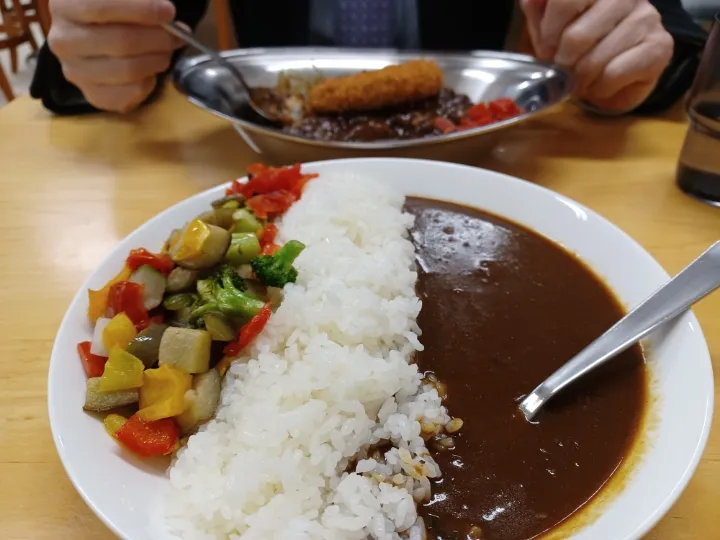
[{"x": 370, "y": 90}]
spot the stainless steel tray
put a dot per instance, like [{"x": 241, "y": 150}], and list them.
[{"x": 482, "y": 75}]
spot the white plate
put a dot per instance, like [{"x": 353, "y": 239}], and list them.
[{"x": 122, "y": 491}]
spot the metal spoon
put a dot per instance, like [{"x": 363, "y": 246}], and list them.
[
  {"x": 273, "y": 116},
  {"x": 696, "y": 281}
]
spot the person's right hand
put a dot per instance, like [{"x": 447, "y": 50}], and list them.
[{"x": 112, "y": 50}]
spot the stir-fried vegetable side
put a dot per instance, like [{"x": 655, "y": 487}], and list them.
[{"x": 169, "y": 325}]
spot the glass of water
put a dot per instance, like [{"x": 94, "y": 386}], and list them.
[{"x": 698, "y": 171}]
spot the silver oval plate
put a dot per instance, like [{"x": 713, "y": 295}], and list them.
[{"x": 481, "y": 75}]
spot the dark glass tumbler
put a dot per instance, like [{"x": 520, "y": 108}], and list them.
[{"x": 698, "y": 172}]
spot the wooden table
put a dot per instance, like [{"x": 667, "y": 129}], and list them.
[{"x": 71, "y": 188}]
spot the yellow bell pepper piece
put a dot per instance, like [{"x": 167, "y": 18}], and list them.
[
  {"x": 192, "y": 240},
  {"x": 113, "y": 422},
  {"x": 119, "y": 332},
  {"x": 98, "y": 300},
  {"x": 163, "y": 393},
  {"x": 122, "y": 371}
]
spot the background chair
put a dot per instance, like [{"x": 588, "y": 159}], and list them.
[
  {"x": 14, "y": 32},
  {"x": 32, "y": 14}
]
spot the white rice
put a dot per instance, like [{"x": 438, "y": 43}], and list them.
[{"x": 328, "y": 378}]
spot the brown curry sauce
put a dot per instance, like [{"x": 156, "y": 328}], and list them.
[
  {"x": 407, "y": 121},
  {"x": 503, "y": 307}
]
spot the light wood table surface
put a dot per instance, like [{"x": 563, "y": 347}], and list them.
[{"x": 71, "y": 188}]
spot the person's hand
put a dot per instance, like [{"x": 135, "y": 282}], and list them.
[
  {"x": 617, "y": 49},
  {"x": 112, "y": 50}
]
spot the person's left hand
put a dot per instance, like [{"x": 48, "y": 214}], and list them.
[{"x": 617, "y": 49}]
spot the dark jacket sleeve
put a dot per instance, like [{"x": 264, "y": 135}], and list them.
[
  {"x": 62, "y": 97},
  {"x": 689, "y": 42}
]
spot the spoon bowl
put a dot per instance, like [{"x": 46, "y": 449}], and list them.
[{"x": 273, "y": 115}]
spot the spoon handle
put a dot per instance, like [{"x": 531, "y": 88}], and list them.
[
  {"x": 696, "y": 281},
  {"x": 187, "y": 37}
]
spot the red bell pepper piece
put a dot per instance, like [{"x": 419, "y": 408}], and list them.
[
  {"x": 479, "y": 111},
  {"x": 149, "y": 439},
  {"x": 444, "y": 125},
  {"x": 271, "y": 204},
  {"x": 128, "y": 297},
  {"x": 248, "y": 332},
  {"x": 267, "y": 240},
  {"x": 269, "y": 249},
  {"x": 504, "y": 108},
  {"x": 264, "y": 180},
  {"x": 235, "y": 188},
  {"x": 269, "y": 234},
  {"x": 479, "y": 115},
  {"x": 300, "y": 184},
  {"x": 94, "y": 365},
  {"x": 268, "y": 179},
  {"x": 467, "y": 122},
  {"x": 162, "y": 262}
]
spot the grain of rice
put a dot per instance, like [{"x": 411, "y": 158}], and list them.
[{"x": 454, "y": 425}]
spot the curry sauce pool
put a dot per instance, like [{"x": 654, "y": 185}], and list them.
[{"x": 503, "y": 308}]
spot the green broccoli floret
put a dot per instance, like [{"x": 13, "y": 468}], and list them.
[
  {"x": 277, "y": 270},
  {"x": 223, "y": 292}
]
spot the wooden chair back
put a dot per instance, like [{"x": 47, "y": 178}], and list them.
[{"x": 14, "y": 31}]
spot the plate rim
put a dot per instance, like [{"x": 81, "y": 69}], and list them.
[{"x": 659, "y": 512}]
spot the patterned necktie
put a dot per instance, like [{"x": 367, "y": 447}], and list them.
[{"x": 365, "y": 23}]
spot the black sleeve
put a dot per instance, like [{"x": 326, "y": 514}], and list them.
[
  {"x": 62, "y": 97},
  {"x": 689, "y": 42}
]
